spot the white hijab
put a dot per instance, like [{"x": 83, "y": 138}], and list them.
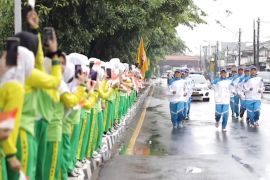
[
  {"x": 26, "y": 64},
  {"x": 69, "y": 71},
  {"x": 24, "y": 68},
  {"x": 76, "y": 58}
]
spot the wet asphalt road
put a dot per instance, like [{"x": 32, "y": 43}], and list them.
[{"x": 198, "y": 151}]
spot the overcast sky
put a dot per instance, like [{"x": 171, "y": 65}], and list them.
[{"x": 243, "y": 12}]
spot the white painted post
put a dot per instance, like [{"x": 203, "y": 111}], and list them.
[{"x": 17, "y": 16}]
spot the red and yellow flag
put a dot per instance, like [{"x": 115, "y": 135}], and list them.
[{"x": 142, "y": 58}]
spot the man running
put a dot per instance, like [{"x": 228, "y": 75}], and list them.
[
  {"x": 179, "y": 90},
  {"x": 232, "y": 77},
  {"x": 236, "y": 97},
  {"x": 241, "y": 94},
  {"x": 190, "y": 85},
  {"x": 222, "y": 87},
  {"x": 253, "y": 88}
]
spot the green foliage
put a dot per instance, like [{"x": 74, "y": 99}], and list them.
[
  {"x": 6, "y": 21},
  {"x": 112, "y": 28}
]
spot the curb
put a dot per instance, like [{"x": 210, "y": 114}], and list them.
[{"x": 109, "y": 141}]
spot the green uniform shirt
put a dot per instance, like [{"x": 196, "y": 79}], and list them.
[
  {"x": 71, "y": 117},
  {"x": 29, "y": 112},
  {"x": 98, "y": 106},
  {"x": 55, "y": 126},
  {"x": 113, "y": 96},
  {"x": 44, "y": 105}
]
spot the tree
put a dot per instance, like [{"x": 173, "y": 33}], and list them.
[
  {"x": 6, "y": 21},
  {"x": 112, "y": 28}
]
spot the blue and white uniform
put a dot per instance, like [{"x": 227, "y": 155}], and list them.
[
  {"x": 222, "y": 88},
  {"x": 178, "y": 92},
  {"x": 253, "y": 88},
  {"x": 241, "y": 94},
  {"x": 236, "y": 96},
  {"x": 190, "y": 86},
  {"x": 232, "y": 95}
]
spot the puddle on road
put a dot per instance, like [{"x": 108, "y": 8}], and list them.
[
  {"x": 155, "y": 147},
  {"x": 152, "y": 147},
  {"x": 122, "y": 150}
]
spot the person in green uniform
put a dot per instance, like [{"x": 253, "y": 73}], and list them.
[
  {"x": 69, "y": 101},
  {"x": 77, "y": 118},
  {"x": 11, "y": 102},
  {"x": 106, "y": 86},
  {"x": 26, "y": 149},
  {"x": 54, "y": 138}
]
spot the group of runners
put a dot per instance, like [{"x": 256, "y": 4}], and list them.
[
  {"x": 242, "y": 91},
  {"x": 181, "y": 88},
  {"x": 239, "y": 90}
]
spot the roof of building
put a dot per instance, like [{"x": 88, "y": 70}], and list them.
[
  {"x": 181, "y": 58},
  {"x": 265, "y": 45}
]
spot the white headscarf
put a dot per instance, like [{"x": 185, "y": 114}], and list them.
[
  {"x": 122, "y": 68},
  {"x": 26, "y": 64},
  {"x": 126, "y": 66},
  {"x": 115, "y": 62},
  {"x": 24, "y": 68},
  {"x": 69, "y": 71},
  {"x": 76, "y": 58},
  {"x": 108, "y": 65},
  {"x": 47, "y": 64},
  {"x": 100, "y": 74},
  {"x": 9, "y": 75},
  {"x": 92, "y": 59}
]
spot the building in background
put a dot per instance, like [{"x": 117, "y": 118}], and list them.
[{"x": 173, "y": 62}]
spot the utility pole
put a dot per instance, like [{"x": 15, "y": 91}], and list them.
[
  {"x": 216, "y": 58},
  {"x": 254, "y": 43},
  {"x": 205, "y": 54},
  {"x": 201, "y": 58},
  {"x": 18, "y": 16},
  {"x": 227, "y": 58},
  {"x": 258, "y": 43},
  {"x": 239, "y": 48}
]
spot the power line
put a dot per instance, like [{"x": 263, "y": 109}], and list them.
[
  {"x": 266, "y": 22},
  {"x": 239, "y": 48},
  {"x": 258, "y": 42}
]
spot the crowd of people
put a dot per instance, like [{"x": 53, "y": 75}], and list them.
[
  {"x": 56, "y": 109},
  {"x": 241, "y": 90}
]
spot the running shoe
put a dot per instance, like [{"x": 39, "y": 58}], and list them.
[{"x": 217, "y": 124}]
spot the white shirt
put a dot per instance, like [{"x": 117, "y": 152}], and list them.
[
  {"x": 222, "y": 90},
  {"x": 180, "y": 88},
  {"x": 253, "y": 88}
]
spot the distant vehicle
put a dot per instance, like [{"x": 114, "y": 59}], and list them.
[
  {"x": 266, "y": 80},
  {"x": 154, "y": 77},
  {"x": 201, "y": 88}
]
